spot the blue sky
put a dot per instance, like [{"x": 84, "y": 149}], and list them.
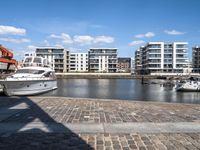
[{"x": 80, "y": 24}]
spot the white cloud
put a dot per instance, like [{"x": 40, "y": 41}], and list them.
[
  {"x": 147, "y": 35},
  {"x": 83, "y": 39},
  {"x": 174, "y": 32},
  {"x": 12, "y": 40},
  {"x": 31, "y": 47},
  {"x": 139, "y": 42},
  {"x": 12, "y": 30},
  {"x": 66, "y": 39},
  {"x": 103, "y": 39},
  {"x": 59, "y": 45},
  {"x": 55, "y": 36}
]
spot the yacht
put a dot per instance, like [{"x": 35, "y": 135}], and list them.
[
  {"x": 33, "y": 78},
  {"x": 191, "y": 84}
]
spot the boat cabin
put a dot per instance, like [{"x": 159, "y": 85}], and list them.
[{"x": 35, "y": 61}]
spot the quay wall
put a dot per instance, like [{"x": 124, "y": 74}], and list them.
[
  {"x": 120, "y": 76},
  {"x": 94, "y": 75}
]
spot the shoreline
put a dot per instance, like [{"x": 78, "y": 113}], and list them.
[{"x": 118, "y": 76}]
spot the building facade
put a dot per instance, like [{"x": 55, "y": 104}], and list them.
[
  {"x": 196, "y": 59},
  {"x": 102, "y": 60},
  {"x": 7, "y": 63},
  {"x": 124, "y": 64},
  {"x": 160, "y": 57},
  {"x": 78, "y": 62},
  {"x": 57, "y": 57},
  {"x": 133, "y": 65},
  {"x": 138, "y": 60}
]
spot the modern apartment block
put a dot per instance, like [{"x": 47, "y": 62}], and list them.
[
  {"x": 196, "y": 59},
  {"x": 160, "y": 57},
  {"x": 124, "y": 64},
  {"x": 57, "y": 57},
  {"x": 78, "y": 62},
  {"x": 133, "y": 65},
  {"x": 102, "y": 60},
  {"x": 138, "y": 60}
]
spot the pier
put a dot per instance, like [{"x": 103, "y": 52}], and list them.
[{"x": 78, "y": 123}]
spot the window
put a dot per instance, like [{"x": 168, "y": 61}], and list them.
[{"x": 30, "y": 71}]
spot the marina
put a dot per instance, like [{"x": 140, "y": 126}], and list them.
[
  {"x": 129, "y": 89},
  {"x": 100, "y": 75}
]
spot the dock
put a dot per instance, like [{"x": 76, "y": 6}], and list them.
[{"x": 80, "y": 123}]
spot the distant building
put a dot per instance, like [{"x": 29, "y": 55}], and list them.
[
  {"x": 196, "y": 59},
  {"x": 102, "y": 60},
  {"x": 160, "y": 57},
  {"x": 124, "y": 64},
  {"x": 133, "y": 65},
  {"x": 138, "y": 60},
  {"x": 57, "y": 57},
  {"x": 7, "y": 63},
  {"x": 78, "y": 62}
]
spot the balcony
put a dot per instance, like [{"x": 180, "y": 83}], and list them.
[
  {"x": 58, "y": 62},
  {"x": 181, "y": 51}
]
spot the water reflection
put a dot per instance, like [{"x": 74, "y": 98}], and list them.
[{"x": 122, "y": 89}]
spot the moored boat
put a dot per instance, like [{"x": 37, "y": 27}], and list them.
[
  {"x": 34, "y": 78},
  {"x": 191, "y": 84}
]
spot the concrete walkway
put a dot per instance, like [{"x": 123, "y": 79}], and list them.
[{"x": 67, "y": 123}]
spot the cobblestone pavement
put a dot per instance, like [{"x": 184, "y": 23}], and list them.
[
  {"x": 63, "y": 141},
  {"x": 87, "y": 111},
  {"x": 66, "y": 110}
]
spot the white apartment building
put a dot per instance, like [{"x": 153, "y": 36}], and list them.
[
  {"x": 57, "y": 57},
  {"x": 138, "y": 60},
  {"x": 164, "y": 57},
  {"x": 103, "y": 60},
  {"x": 196, "y": 59},
  {"x": 78, "y": 62}
]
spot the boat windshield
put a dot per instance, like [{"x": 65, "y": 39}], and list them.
[{"x": 30, "y": 71}]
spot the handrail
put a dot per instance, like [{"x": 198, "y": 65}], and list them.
[{"x": 33, "y": 78}]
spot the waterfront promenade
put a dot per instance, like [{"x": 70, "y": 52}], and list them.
[{"x": 76, "y": 123}]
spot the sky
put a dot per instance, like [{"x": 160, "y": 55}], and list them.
[{"x": 78, "y": 25}]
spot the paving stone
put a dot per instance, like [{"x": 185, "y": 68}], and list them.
[{"x": 83, "y": 111}]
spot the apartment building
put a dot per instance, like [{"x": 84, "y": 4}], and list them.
[
  {"x": 163, "y": 57},
  {"x": 124, "y": 64},
  {"x": 138, "y": 60},
  {"x": 133, "y": 65},
  {"x": 57, "y": 57},
  {"x": 78, "y": 62},
  {"x": 196, "y": 59},
  {"x": 102, "y": 60}
]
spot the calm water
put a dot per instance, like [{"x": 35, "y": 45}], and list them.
[{"x": 121, "y": 89}]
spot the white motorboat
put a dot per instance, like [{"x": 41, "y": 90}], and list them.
[
  {"x": 192, "y": 84},
  {"x": 34, "y": 78}
]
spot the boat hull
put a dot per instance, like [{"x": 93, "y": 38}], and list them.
[
  {"x": 188, "y": 87},
  {"x": 24, "y": 88}
]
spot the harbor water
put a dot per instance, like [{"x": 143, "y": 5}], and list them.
[{"x": 125, "y": 89}]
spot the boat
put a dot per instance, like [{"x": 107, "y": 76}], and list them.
[
  {"x": 33, "y": 78},
  {"x": 191, "y": 85}
]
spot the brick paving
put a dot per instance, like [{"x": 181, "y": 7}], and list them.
[
  {"x": 88, "y": 111},
  {"x": 65, "y": 110},
  {"x": 63, "y": 141}
]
